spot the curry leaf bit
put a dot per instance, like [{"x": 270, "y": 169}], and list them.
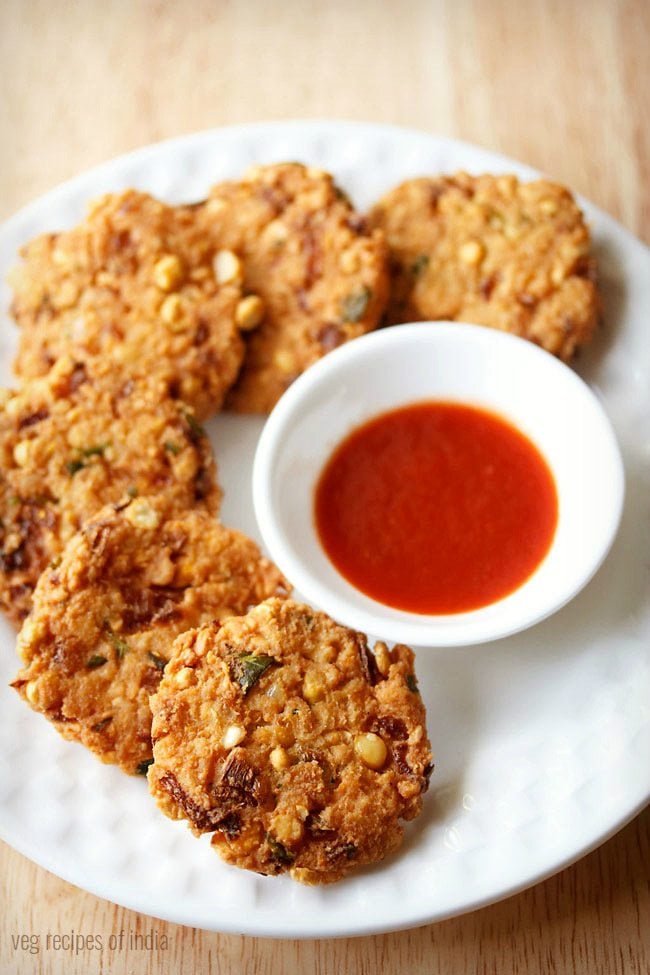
[
  {"x": 159, "y": 662},
  {"x": 419, "y": 265},
  {"x": 97, "y": 450},
  {"x": 40, "y": 500},
  {"x": 194, "y": 429},
  {"x": 279, "y": 852},
  {"x": 412, "y": 683},
  {"x": 248, "y": 669},
  {"x": 172, "y": 448},
  {"x": 143, "y": 767},
  {"x": 120, "y": 645},
  {"x": 354, "y": 305},
  {"x": 340, "y": 194},
  {"x": 104, "y": 723},
  {"x": 97, "y": 660},
  {"x": 85, "y": 453}
]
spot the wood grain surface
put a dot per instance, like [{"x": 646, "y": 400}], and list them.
[{"x": 563, "y": 85}]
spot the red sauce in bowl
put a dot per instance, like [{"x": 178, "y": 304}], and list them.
[{"x": 436, "y": 508}]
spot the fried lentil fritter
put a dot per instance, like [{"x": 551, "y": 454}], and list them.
[
  {"x": 85, "y": 435},
  {"x": 284, "y": 736},
  {"x": 493, "y": 251},
  {"x": 321, "y": 276},
  {"x": 104, "y": 620},
  {"x": 135, "y": 282}
]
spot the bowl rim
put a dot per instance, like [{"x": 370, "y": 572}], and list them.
[{"x": 420, "y": 630}]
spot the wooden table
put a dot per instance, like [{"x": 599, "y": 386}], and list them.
[{"x": 562, "y": 85}]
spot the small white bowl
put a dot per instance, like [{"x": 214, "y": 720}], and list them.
[{"x": 405, "y": 364}]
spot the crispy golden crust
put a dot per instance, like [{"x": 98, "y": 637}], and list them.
[
  {"x": 322, "y": 277},
  {"x": 494, "y": 251},
  {"x": 81, "y": 437},
  {"x": 103, "y": 621},
  {"x": 135, "y": 282},
  {"x": 263, "y": 729}
]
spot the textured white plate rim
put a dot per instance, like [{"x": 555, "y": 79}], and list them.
[
  {"x": 206, "y": 137},
  {"x": 370, "y": 918},
  {"x": 242, "y": 129},
  {"x": 305, "y": 931}
]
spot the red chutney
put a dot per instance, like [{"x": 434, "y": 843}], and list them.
[{"x": 436, "y": 508}]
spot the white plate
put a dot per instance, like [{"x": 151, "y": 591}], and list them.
[{"x": 541, "y": 739}]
